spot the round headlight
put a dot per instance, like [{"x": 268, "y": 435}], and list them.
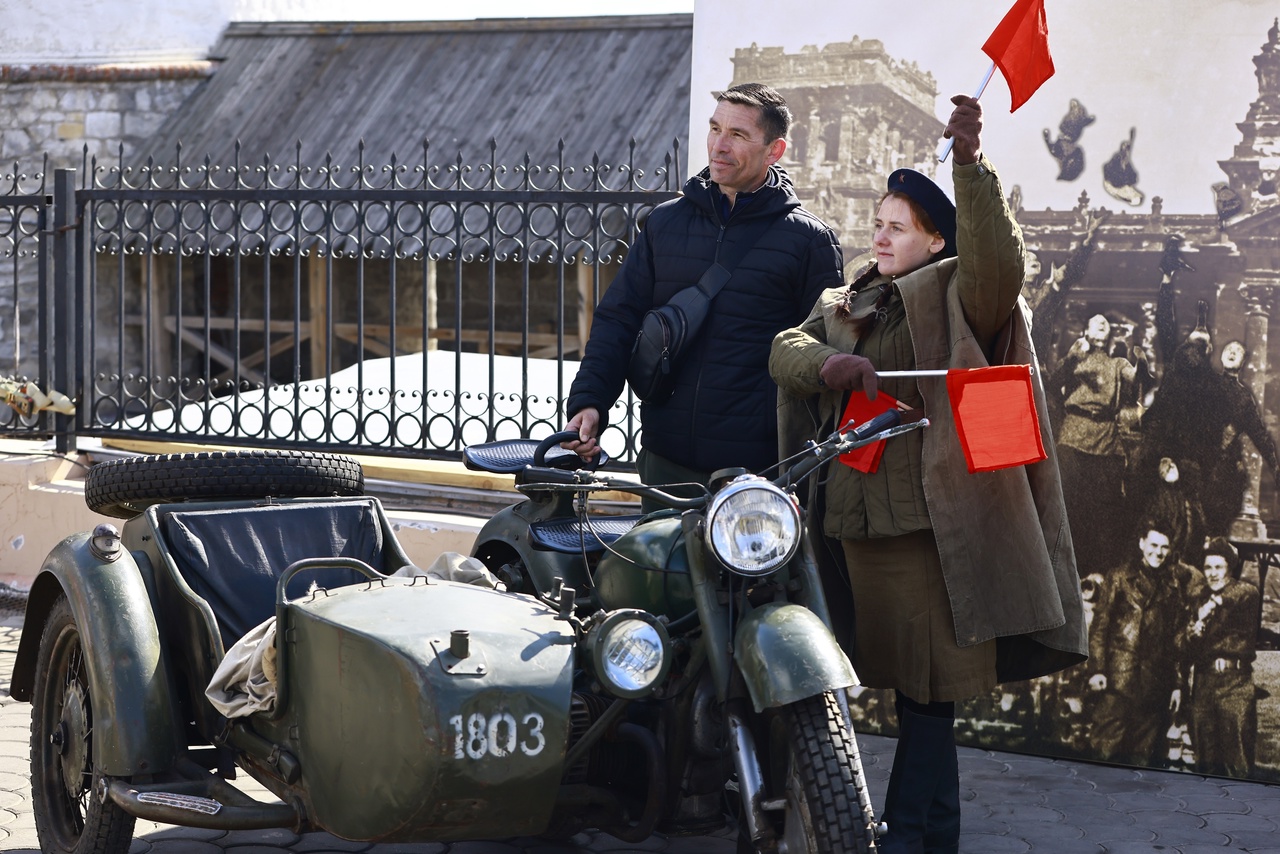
[
  {"x": 755, "y": 526},
  {"x": 629, "y": 653}
]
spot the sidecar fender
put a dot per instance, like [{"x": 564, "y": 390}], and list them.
[
  {"x": 786, "y": 653},
  {"x": 132, "y": 704}
]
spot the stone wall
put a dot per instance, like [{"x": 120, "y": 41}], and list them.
[{"x": 70, "y": 114}]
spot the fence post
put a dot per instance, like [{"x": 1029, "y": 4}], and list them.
[{"x": 66, "y": 330}]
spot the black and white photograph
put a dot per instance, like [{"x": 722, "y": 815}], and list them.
[{"x": 1143, "y": 176}]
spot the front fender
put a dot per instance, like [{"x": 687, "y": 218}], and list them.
[
  {"x": 786, "y": 653},
  {"x": 132, "y": 705}
]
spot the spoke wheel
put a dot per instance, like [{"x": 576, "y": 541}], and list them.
[{"x": 66, "y": 787}]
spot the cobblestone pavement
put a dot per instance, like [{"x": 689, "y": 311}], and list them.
[{"x": 1011, "y": 803}]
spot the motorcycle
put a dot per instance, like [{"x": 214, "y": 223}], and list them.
[
  {"x": 757, "y": 703},
  {"x": 627, "y": 685}
]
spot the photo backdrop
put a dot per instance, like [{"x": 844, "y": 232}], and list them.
[{"x": 1144, "y": 177}]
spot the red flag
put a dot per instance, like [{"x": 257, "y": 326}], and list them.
[
  {"x": 995, "y": 415},
  {"x": 1019, "y": 46},
  {"x": 860, "y": 410}
]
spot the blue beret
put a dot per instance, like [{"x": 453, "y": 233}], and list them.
[{"x": 929, "y": 196}]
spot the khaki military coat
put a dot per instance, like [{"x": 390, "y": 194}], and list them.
[{"x": 1003, "y": 538}]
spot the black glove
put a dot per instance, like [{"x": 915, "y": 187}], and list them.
[
  {"x": 965, "y": 127},
  {"x": 847, "y": 371}
]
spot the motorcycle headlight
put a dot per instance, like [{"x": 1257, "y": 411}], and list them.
[
  {"x": 755, "y": 526},
  {"x": 630, "y": 652}
]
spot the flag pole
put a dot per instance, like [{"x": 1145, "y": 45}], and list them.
[
  {"x": 982, "y": 87},
  {"x": 938, "y": 373}
]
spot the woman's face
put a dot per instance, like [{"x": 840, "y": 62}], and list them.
[{"x": 901, "y": 244}]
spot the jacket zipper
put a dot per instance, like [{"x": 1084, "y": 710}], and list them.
[{"x": 697, "y": 388}]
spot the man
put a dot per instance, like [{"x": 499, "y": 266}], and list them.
[
  {"x": 1094, "y": 387},
  {"x": 723, "y": 410},
  {"x": 1221, "y": 647},
  {"x": 1136, "y": 650}
]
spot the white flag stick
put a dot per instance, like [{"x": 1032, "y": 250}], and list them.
[
  {"x": 982, "y": 87},
  {"x": 941, "y": 373}
]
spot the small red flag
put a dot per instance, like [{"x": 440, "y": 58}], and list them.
[
  {"x": 860, "y": 410},
  {"x": 1019, "y": 46},
  {"x": 995, "y": 415}
]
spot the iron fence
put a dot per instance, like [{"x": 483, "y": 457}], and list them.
[
  {"x": 410, "y": 308},
  {"x": 24, "y": 261}
]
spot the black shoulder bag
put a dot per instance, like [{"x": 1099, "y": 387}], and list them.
[{"x": 668, "y": 331}]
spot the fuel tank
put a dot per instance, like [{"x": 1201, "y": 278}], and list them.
[{"x": 647, "y": 568}]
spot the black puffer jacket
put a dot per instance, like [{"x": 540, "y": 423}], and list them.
[{"x": 724, "y": 408}]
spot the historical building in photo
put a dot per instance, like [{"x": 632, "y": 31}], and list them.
[
  {"x": 1153, "y": 335},
  {"x": 859, "y": 115}
]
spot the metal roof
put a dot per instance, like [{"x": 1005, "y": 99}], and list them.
[{"x": 595, "y": 83}]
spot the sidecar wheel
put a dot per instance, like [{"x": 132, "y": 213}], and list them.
[
  {"x": 71, "y": 817},
  {"x": 125, "y": 487},
  {"x": 818, "y": 772}
]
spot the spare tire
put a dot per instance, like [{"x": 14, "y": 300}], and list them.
[{"x": 125, "y": 487}]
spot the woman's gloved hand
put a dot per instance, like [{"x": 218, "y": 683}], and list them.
[
  {"x": 965, "y": 127},
  {"x": 845, "y": 371}
]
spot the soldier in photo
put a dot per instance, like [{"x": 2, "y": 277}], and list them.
[{"x": 1221, "y": 646}]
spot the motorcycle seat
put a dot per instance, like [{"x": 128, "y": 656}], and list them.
[
  {"x": 510, "y": 456},
  {"x": 571, "y": 535}
]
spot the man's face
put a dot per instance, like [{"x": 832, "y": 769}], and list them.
[
  {"x": 1155, "y": 548},
  {"x": 1215, "y": 571},
  {"x": 738, "y": 153}
]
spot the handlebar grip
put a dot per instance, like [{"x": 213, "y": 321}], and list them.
[
  {"x": 540, "y": 452},
  {"x": 883, "y": 421}
]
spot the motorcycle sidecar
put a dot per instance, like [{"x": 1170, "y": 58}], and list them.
[{"x": 407, "y": 708}]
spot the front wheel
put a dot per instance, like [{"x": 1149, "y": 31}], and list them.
[
  {"x": 814, "y": 775},
  {"x": 71, "y": 814}
]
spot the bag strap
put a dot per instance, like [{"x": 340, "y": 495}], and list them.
[{"x": 720, "y": 271}]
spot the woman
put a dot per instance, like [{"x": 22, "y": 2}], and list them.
[{"x": 959, "y": 580}]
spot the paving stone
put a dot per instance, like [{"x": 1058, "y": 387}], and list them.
[
  {"x": 1254, "y": 841},
  {"x": 1089, "y": 818},
  {"x": 165, "y": 832},
  {"x": 1011, "y": 811},
  {"x": 1070, "y": 801},
  {"x": 1137, "y": 848},
  {"x": 701, "y": 846},
  {"x": 1230, "y": 823},
  {"x": 984, "y": 825},
  {"x": 605, "y": 842},
  {"x": 1122, "y": 786},
  {"x": 1117, "y": 833},
  {"x": 1067, "y": 846},
  {"x": 324, "y": 842},
  {"x": 1205, "y": 804},
  {"x": 1172, "y": 838},
  {"x": 277, "y": 836},
  {"x": 982, "y": 843},
  {"x": 1129, "y": 801},
  {"x": 185, "y": 846}
]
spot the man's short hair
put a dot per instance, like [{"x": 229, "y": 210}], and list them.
[{"x": 775, "y": 116}]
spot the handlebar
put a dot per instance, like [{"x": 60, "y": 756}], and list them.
[
  {"x": 555, "y": 480},
  {"x": 884, "y": 426},
  {"x": 540, "y": 452}
]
